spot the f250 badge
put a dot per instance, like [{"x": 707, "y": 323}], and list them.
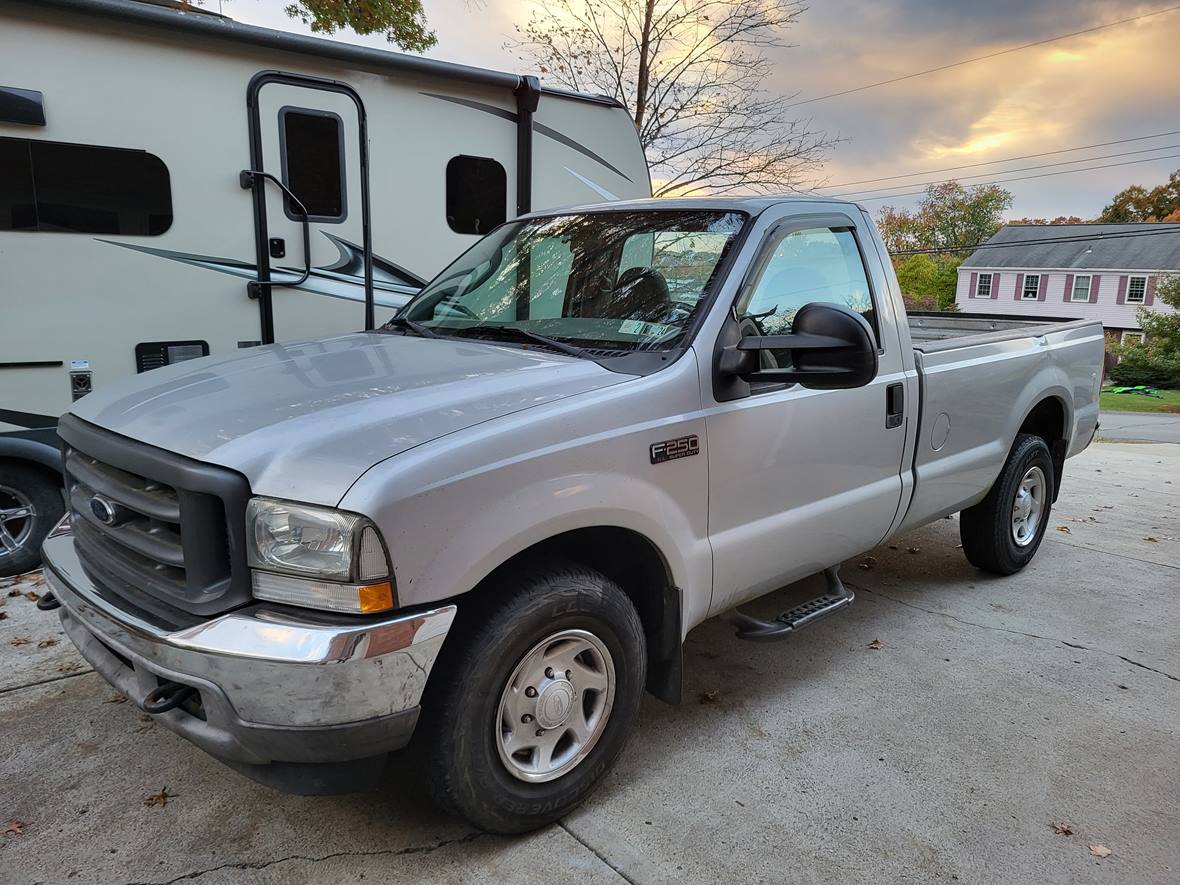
[{"x": 671, "y": 449}]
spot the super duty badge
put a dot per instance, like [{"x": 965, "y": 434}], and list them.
[{"x": 671, "y": 449}]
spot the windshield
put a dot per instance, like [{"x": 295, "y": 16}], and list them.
[{"x": 620, "y": 281}]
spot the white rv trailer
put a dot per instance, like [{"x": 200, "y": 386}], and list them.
[{"x": 173, "y": 183}]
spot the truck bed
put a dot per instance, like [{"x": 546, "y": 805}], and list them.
[
  {"x": 937, "y": 330},
  {"x": 980, "y": 377}
]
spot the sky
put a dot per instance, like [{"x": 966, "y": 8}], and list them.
[{"x": 1116, "y": 83}]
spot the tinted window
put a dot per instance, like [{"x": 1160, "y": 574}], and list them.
[
  {"x": 477, "y": 194},
  {"x": 76, "y": 188},
  {"x": 313, "y": 163}
]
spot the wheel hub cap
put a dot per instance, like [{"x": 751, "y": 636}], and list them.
[
  {"x": 555, "y": 706},
  {"x": 1028, "y": 508},
  {"x": 16, "y": 519}
]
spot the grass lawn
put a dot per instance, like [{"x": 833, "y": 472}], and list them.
[{"x": 1129, "y": 402}]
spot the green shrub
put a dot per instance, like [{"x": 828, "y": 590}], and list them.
[{"x": 1142, "y": 365}]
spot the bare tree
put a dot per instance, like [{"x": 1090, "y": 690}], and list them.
[{"x": 692, "y": 75}]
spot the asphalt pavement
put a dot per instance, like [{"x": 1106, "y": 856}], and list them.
[
  {"x": 950, "y": 727},
  {"x": 1140, "y": 427}
]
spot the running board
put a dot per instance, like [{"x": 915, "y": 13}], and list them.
[{"x": 793, "y": 620}]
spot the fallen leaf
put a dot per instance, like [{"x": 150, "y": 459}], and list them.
[
  {"x": 15, "y": 828},
  {"x": 1062, "y": 829},
  {"x": 46, "y": 643},
  {"x": 913, "y": 550},
  {"x": 710, "y": 697},
  {"x": 87, "y": 746},
  {"x": 117, "y": 699},
  {"x": 161, "y": 798},
  {"x": 1100, "y": 851},
  {"x": 1064, "y": 529},
  {"x": 3, "y": 616},
  {"x": 20, "y": 640},
  {"x": 867, "y": 563},
  {"x": 12, "y": 593},
  {"x": 32, "y": 596},
  {"x": 69, "y": 667},
  {"x": 876, "y": 645},
  {"x": 1151, "y": 539}
]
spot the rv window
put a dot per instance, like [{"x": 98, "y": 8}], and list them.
[
  {"x": 477, "y": 194},
  {"x": 78, "y": 188},
  {"x": 313, "y": 163}
]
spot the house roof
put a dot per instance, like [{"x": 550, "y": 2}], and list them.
[{"x": 1153, "y": 247}]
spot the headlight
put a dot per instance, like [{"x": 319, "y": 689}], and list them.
[{"x": 316, "y": 557}]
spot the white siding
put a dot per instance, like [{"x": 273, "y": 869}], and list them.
[{"x": 1112, "y": 314}]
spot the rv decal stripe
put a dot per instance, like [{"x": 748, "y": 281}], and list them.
[
  {"x": 26, "y": 419},
  {"x": 539, "y": 128}
]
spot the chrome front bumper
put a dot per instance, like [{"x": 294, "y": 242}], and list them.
[{"x": 276, "y": 684}]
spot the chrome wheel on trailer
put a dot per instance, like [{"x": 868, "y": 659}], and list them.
[
  {"x": 555, "y": 706},
  {"x": 1029, "y": 506},
  {"x": 17, "y": 515}
]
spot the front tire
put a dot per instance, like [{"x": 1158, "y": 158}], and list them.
[
  {"x": 30, "y": 505},
  {"x": 1002, "y": 532},
  {"x": 537, "y": 699}
]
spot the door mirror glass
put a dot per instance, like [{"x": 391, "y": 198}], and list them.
[{"x": 830, "y": 347}]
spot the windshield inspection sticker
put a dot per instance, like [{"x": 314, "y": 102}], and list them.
[
  {"x": 671, "y": 449},
  {"x": 639, "y": 327}
]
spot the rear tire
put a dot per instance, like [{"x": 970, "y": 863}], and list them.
[
  {"x": 510, "y": 742},
  {"x": 30, "y": 505},
  {"x": 1002, "y": 532}
]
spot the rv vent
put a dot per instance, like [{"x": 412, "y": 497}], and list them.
[{"x": 153, "y": 354}]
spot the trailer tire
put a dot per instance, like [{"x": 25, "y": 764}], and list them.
[
  {"x": 557, "y": 649},
  {"x": 1002, "y": 532},
  {"x": 25, "y": 486}
]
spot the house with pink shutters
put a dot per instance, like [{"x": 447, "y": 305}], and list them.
[{"x": 1074, "y": 271}]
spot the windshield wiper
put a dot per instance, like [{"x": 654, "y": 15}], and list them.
[
  {"x": 417, "y": 328},
  {"x": 517, "y": 332}
]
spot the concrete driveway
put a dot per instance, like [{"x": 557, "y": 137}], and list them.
[{"x": 992, "y": 710}]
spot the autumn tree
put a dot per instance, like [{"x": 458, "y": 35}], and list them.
[
  {"x": 950, "y": 218},
  {"x": 1137, "y": 203},
  {"x": 1060, "y": 219},
  {"x": 403, "y": 22},
  {"x": 692, "y": 74}
]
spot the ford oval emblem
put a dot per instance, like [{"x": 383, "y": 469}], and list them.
[{"x": 103, "y": 510}]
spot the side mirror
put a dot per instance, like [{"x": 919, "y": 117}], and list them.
[{"x": 831, "y": 349}]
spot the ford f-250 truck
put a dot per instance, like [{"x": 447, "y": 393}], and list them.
[{"x": 490, "y": 524}]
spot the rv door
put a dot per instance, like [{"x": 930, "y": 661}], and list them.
[{"x": 309, "y": 178}]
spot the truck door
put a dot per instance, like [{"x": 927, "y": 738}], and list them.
[
  {"x": 801, "y": 479},
  {"x": 310, "y": 183}
]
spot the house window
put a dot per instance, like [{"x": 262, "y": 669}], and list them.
[
  {"x": 477, "y": 194},
  {"x": 1032, "y": 285},
  {"x": 983, "y": 286},
  {"x": 1131, "y": 338},
  {"x": 1136, "y": 290},
  {"x": 1081, "y": 288},
  {"x": 82, "y": 189},
  {"x": 313, "y": 163}
]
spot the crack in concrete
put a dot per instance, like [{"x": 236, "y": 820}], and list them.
[
  {"x": 602, "y": 857},
  {"x": 264, "y": 864},
  {"x": 10, "y": 689},
  {"x": 1110, "y": 553},
  {"x": 1053, "y": 639}
]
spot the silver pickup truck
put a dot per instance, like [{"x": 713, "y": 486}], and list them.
[{"x": 488, "y": 525}]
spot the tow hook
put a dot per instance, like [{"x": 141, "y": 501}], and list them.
[
  {"x": 48, "y": 602},
  {"x": 167, "y": 696}
]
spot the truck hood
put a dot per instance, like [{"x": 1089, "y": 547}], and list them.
[{"x": 304, "y": 420}]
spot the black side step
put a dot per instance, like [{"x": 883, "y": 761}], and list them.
[{"x": 803, "y": 615}]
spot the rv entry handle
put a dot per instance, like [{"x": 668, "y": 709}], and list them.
[{"x": 252, "y": 178}]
